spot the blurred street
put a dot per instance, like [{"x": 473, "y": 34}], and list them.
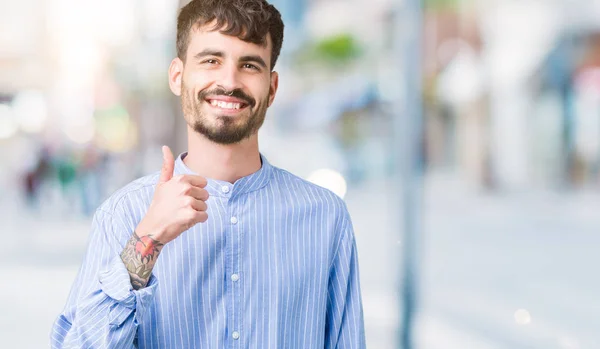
[
  {"x": 491, "y": 255},
  {"x": 487, "y": 257}
]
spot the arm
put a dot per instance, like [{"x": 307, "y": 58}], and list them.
[
  {"x": 115, "y": 286},
  {"x": 345, "y": 326},
  {"x": 178, "y": 204},
  {"x": 102, "y": 311},
  {"x": 139, "y": 256}
]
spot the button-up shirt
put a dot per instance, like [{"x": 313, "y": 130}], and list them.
[{"x": 275, "y": 266}]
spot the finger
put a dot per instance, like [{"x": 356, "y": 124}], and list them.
[
  {"x": 199, "y": 205},
  {"x": 193, "y": 217},
  {"x": 201, "y": 217},
  {"x": 166, "y": 173},
  {"x": 196, "y": 181},
  {"x": 198, "y": 193}
]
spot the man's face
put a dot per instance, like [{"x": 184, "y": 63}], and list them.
[{"x": 226, "y": 85}]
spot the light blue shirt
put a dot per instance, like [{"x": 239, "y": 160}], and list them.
[{"x": 274, "y": 267}]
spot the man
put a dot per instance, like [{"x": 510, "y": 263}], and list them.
[{"x": 269, "y": 261}]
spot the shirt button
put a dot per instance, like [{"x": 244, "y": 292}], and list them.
[
  {"x": 234, "y": 220},
  {"x": 235, "y": 277},
  {"x": 235, "y": 335},
  {"x": 225, "y": 189}
]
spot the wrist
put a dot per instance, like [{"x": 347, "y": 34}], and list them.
[{"x": 145, "y": 229}]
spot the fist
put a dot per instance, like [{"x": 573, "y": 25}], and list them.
[{"x": 178, "y": 204}]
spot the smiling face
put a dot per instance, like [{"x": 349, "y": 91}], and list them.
[{"x": 225, "y": 84}]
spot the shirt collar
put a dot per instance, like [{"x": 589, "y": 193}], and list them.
[{"x": 243, "y": 185}]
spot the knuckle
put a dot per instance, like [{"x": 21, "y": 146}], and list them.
[
  {"x": 186, "y": 188},
  {"x": 189, "y": 201},
  {"x": 190, "y": 215}
]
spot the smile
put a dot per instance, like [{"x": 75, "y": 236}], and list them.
[{"x": 227, "y": 105}]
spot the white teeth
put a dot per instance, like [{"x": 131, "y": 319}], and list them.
[{"x": 225, "y": 105}]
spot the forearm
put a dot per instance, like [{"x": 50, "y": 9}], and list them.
[
  {"x": 345, "y": 318},
  {"x": 103, "y": 309},
  {"x": 139, "y": 256},
  {"x": 107, "y": 316},
  {"x": 95, "y": 327}
]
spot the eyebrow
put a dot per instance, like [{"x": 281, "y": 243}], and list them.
[
  {"x": 244, "y": 59},
  {"x": 209, "y": 52},
  {"x": 254, "y": 59}
]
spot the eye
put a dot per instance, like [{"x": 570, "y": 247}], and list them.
[
  {"x": 250, "y": 66},
  {"x": 211, "y": 61}
]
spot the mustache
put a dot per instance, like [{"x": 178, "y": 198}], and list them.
[{"x": 237, "y": 93}]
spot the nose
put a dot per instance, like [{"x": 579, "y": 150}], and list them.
[{"x": 229, "y": 79}]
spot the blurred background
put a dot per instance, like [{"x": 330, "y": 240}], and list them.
[{"x": 503, "y": 188}]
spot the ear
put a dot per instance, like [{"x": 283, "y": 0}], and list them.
[
  {"x": 175, "y": 75},
  {"x": 273, "y": 87}
]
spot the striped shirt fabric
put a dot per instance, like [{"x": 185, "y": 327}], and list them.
[{"x": 274, "y": 267}]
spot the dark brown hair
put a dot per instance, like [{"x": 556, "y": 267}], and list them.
[{"x": 249, "y": 20}]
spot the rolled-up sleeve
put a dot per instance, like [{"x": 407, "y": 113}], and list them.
[
  {"x": 345, "y": 320},
  {"x": 103, "y": 310}
]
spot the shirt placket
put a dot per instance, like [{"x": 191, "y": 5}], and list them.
[{"x": 233, "y": 271}]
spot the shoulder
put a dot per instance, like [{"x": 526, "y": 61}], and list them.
[
  {"x": 307, "y": 191},
  {"x": 323, "y": 203}
]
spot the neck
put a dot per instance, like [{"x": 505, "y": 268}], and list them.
[{"x": 225, "y": 162}]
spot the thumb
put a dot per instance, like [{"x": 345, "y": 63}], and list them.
[{"x": 166, "y": 173}]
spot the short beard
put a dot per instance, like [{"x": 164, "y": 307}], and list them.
[{"x": 226, "y": 132}]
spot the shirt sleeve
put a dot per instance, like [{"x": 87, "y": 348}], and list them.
[
  {"x": 103, "y": 310},
  {"x": 345, "y": 326}
]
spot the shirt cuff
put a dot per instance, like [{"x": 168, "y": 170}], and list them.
[{"x": 116, "y": 284}]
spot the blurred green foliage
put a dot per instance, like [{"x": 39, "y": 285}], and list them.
[
  {"x": 441, "y": 4},
  {"x": 334, "y": 50},
  {"x": 338, "y": 48}
]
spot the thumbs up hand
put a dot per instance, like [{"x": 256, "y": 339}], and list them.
[
  {"x": 178, "y": 204},
  {"x": 166, "y": 173}
]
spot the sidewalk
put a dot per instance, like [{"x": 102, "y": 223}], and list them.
[{"x": 483, "y": 258}]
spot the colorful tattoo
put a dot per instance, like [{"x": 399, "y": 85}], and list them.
[{"x": 139, "y": 256}]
